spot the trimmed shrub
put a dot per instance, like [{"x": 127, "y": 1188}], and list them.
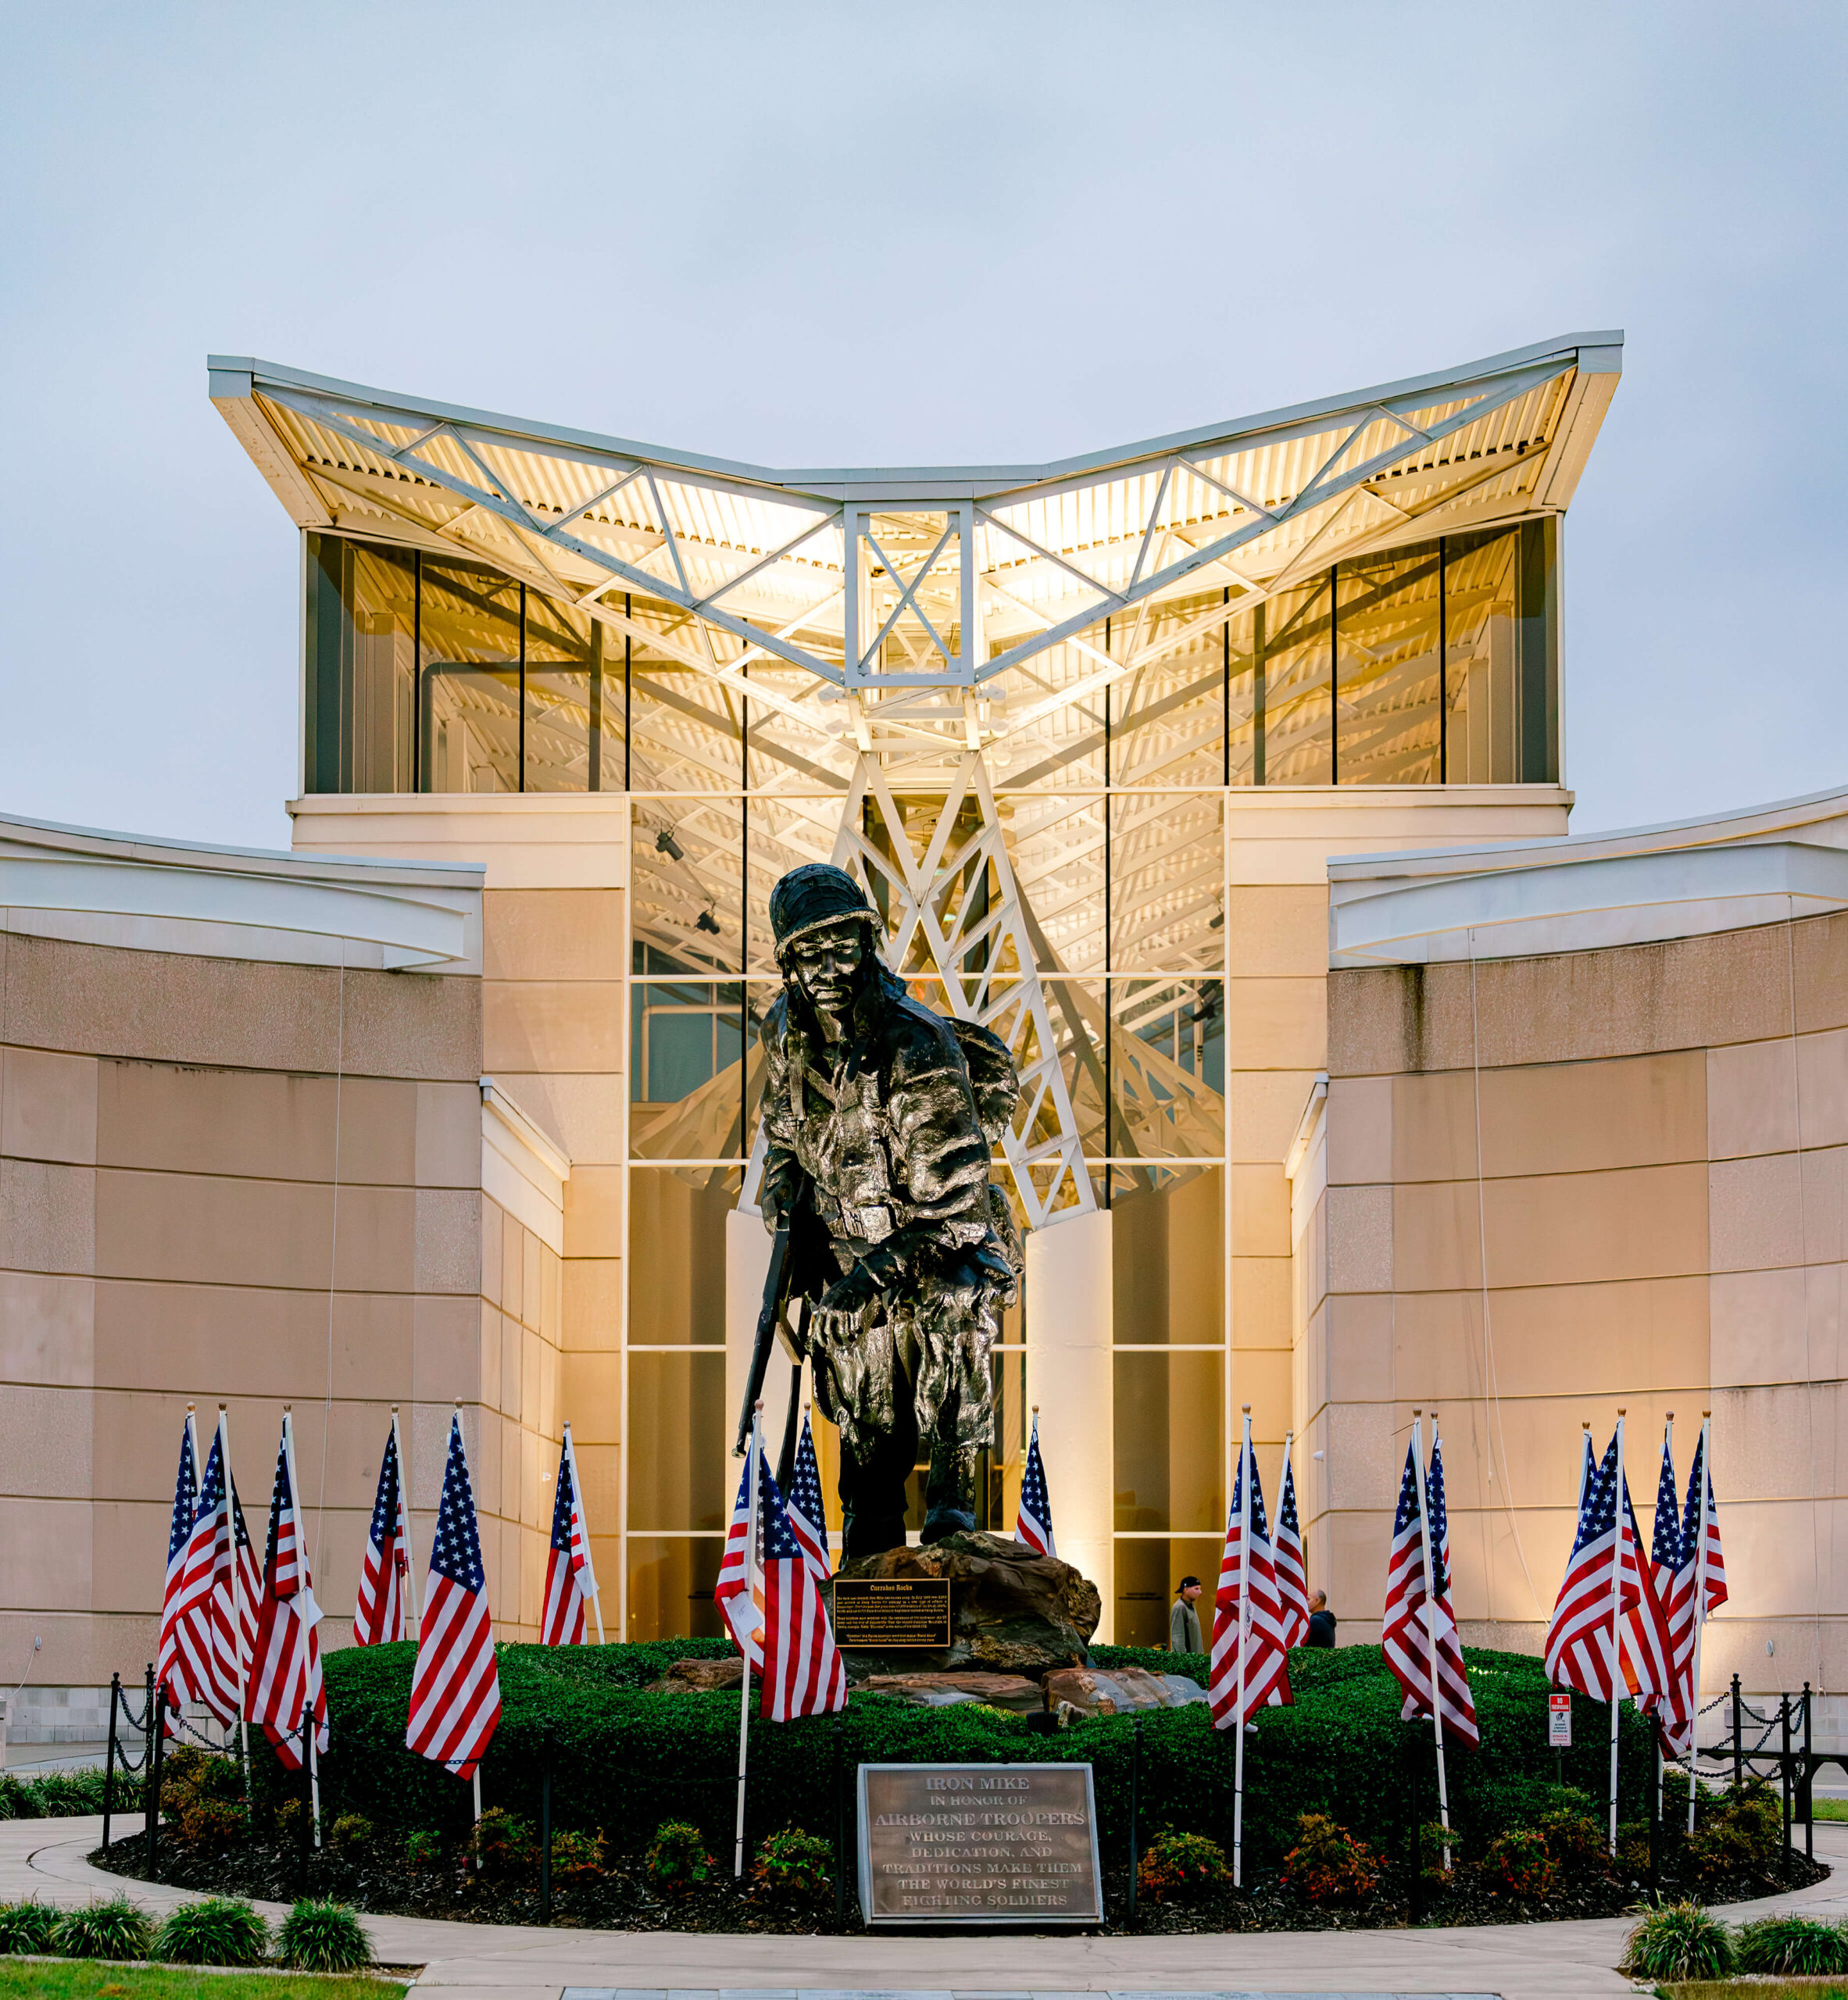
[
  {"x": 1798, "y": 1947},
  {"x": 62, "y": 1794},
  {"x": 423, "y": 1848},
  {"x": 1518, "y": 1863},
  {"x": 214, "y": 1825},
  {"x": 1328, "y": 1866},
  {"x": 287, "y": 1818},
  {"x": 676, "y": 1858},
  {"x": 576, "y": 1857},
  {"x": 1744, "y": 1831},
  {"x": 795, "y": 1865},
  {"x": 350, "y": 1833},
  {"x": 112, "y": 1930},
  {"x": 221, "y": 1930},
  {"x": 504, "y": 1845},
  {"x": 27, "y": 1927},
  {"x": 1177, "y": 1867},
  {"x": 323, "y": 1937},
  {"x": 1575, "y": 1839},
  {"x": 1433, "y": 1841},
  {"x": 1679, "y": 1940}
]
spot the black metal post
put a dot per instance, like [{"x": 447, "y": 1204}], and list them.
[
  {"x": 108, "y": 1760},
  {"x": 1784, "y": 1769},
  {"x": 157, "y": 1702},
  {"x": 1738, "y": 1740},
  {"x": 1410, "y": 1751},
  {"x": 1654, "y": 1826},
  {"x": 545, "y": 1831},
  {"x": 1809, "y": 1783},
  {"x": 1135, "y": 1780},
  {"x": 307, "y": 1802},
  {"x": 840, "y": 1829}
]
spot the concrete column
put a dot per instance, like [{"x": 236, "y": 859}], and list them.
[{"x": 1070, "y": 1376}]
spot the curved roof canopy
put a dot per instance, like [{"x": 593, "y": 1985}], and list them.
[{"x": 891, "y": 585}]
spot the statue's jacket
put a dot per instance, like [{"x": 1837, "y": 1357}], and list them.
[{"x": 876, "y": 1152}]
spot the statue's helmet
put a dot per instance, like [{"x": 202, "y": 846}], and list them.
[{"x": 813, "y": 897}]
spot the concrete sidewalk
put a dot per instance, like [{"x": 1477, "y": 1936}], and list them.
[{"x": 502, "y": 1962}]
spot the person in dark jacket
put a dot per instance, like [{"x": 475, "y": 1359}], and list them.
[
  {"x": 1184, "y": 1621},
  {"x": 1322, "y": 1621}
]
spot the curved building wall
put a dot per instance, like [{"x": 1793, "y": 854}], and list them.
[{"x": 1655, "y": 1217}]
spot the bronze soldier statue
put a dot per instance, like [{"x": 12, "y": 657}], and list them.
[{"x": 878, "y": 1116}]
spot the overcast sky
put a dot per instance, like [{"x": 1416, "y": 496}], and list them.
[{"x": 806, "y": 235}]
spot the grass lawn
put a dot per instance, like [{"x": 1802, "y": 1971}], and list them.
[
  {"x": 93, "y": 1979},
  {"x": 1831, "y": 1808},
  {"x": 1760, "y": 1989}
]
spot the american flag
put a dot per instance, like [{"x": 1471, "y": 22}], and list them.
[
  {"x": 803, "y": 1673},
  {"x": 739, "y": 1593},
  {"x": 806, "y": 1508},
  {"x": 1411, "y": 1616},
  {"x": 1648, "y": 1651},
  {"x": 1702, "y": 1522},
  {"x": 205, "y": 1599},
  {"x": 1581, "y": 1639},
  {"x": 1673, "y": 1716},
  {"x": 380, "y": 1616},
  {"x": 1292, "y": 1574},
  {"x": 571, "y": 1583},
  {"x": 250, "y": 1590},
  {"x": 456, "y": 1688},
  {"x": 1247, "y": 1570},
  {"x": 284, "y": 1675},
  {"x": 170, "y": 1669},
  {"x": 1033, "y": 1522}
]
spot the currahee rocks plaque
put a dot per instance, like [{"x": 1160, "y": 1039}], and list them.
[
  {"x": 978, "y": 1844},
  {"x": 892, "y": 1614}
]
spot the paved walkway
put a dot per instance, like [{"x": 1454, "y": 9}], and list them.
[{"x": 505, "y": 1961}]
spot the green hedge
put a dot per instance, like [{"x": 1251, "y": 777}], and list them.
[
  {"x": 623, "y": 1759},
  {"x": 55, "y": 1794}
]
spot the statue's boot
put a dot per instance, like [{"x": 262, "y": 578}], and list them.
[{"x": 949, "y": 1494}]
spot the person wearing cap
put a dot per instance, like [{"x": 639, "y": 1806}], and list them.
[
  {"x": 1184, "y": 1621},
  {"x": 878, "y": 1116}
]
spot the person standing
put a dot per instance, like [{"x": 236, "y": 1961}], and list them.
[
  {"x": 1184, "y": 1621},
  {"x": 1322, "y": 1621}
]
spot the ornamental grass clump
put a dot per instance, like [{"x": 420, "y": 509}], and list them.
[
  {"x": 1678, "y": 1942},
  {"x": 676, "y": 1858},
  {"x": 27, "y": 1927},
  {"x": 1177, "y": 1867},
  {"x": 1517, "y": 1862},
  {"x": 219, "y": 1930},
  {"x": 1328, "y": 1866},
  {"x": 795, "y": 1866},
  {"x": 1798, "y": 1947},
  {"x": 112, "y": 1930},
  {"x": 323, "y": 1937}
]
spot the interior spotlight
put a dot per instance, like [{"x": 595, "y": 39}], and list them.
[
  {"x": 666, "y": 844},
  {"x": 706, "y": 921}
]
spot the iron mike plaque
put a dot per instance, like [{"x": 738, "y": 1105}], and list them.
[{"x": 984, "y": 1844}]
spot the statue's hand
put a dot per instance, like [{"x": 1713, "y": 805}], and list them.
[{"x": 849, "y": 1297}]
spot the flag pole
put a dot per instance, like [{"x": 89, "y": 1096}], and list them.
[
  {"x": 744, "y": 1692},
  {"x": 1244, "y": 1641},
  {"x": 1620, "y": 1529},
  {"x": 1700, "y": 1611},
  {"x": 596, "y": 1599},
  {"x": 404, "y": 1516},
  {"x": 231, "y": 1516},
  {"x": 1668, "y": 1450},
  {"x": 1437, "y": 1717},
  {"x": 311, "y": 1727}
]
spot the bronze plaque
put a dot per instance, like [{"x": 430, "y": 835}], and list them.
[
  {"x": 892, "y": 1614},
  {"x": 978, "y": 1844}
]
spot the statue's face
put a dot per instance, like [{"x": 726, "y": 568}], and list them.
[{"x": 826, "y": 964}]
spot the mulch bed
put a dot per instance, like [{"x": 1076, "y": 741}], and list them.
[{"x": 621, "y": 1899}]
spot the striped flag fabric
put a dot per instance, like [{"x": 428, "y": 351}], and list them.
[
  {"x": 1292, "y": 1572},
  {"x": 170, "y": 1665},
  {"x": 249, "y": 1589},
  {"x": 1581, "y": 1650},
  {"x": 1247, "y": 1618},
  {"x": 802, "y": 1673},
  {"x": 1701, "y": 1522},
  {"x": 456, "y": 1688},
  {"x": 739, "y": 1593},
  {"x": 1415, "y": 1608},
  {"x": 1648, "y": 1651},
  {"x": 206, "y": 1593},
  {"x": 571, "y": 1583},
  {"x": 1033, "y": 1520},
  {"x": 806, "y": 1510},
  {"x": 283, "y": 1680},
  {"x": 380, "y": 1615},
  {"x": 1675, "y": 1716}
]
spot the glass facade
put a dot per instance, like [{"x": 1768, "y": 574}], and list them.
[{"x": 1430, "y": 664}]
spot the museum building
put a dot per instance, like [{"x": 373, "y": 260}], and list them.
[{"x": 1219, "y": 775}]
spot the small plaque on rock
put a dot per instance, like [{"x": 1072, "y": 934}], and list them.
[
  {"x": 892, "y": 1614},
  {"x": 984, "y": 1844}
]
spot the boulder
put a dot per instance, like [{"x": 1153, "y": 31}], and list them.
[
  {"x": 699, "y": 1677},
  {"x": 1012, "y": 1610},
  {"x": 1118, "y": 1690},
  {"x": 1013, "y": 1692}
]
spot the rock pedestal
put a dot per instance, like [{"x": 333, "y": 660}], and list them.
[{"x": 1011, "y": 1611}]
